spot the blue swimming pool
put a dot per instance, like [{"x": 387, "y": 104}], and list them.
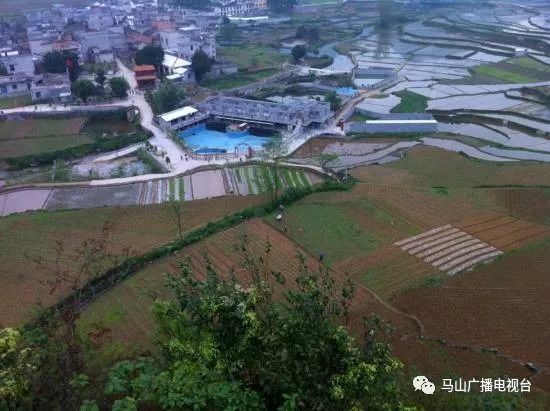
[
  {"x": 347, "y": 91},
  {"x": 200, "y": 139}
]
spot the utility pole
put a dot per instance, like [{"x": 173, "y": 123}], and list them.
[{"x": 53, "y": 170}]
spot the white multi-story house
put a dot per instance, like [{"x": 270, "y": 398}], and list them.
[
  {"x": 242, "y": 7},
  {"x": 15, "y": 63},
  {"x": 185, "y": 41}
]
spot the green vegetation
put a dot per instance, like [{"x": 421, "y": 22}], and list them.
[
  {"x": 61, "y": 62},
  {"x": 15, "y": 101},
  {"x": 167, "y": 98},
  {"x": 431, "y": 167},
  {"x": 319, "y": 62},
  {"x": 34, "y": 136},
  {"x": 237, "y": 80},
  {"x": 339, "y": 236},
  {"x": 503, "y": 75},
  {"x": 34, "y": 142},
  {"x": 150, "y": 54},
  {"x": 410, "y": 103},
  {"x": 201, "y": 64},
  {"x": 360, "y": 117},
  {"x": 298, "y": 52},
  {"x": 83, "y": 89},
  {"x": 119, "y": 87},
  {"x": 251, "y": 56},
  {"x": 530, "y": 63},
  {"x": 334, "y": 100},
  {"x": 182, "y": 188},
  {"x": 212, "y": 355},
  {"x": 146, "y": 158}
]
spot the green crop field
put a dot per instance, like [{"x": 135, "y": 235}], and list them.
[
  {"x": 237, "y": 80},
  {"x": 326, "y": 228},
  {"x": 410, "y": 103},
  {"x": 33, "y": 136},
  {"x": 529, "y": 62},
  {"x": 503, "y": 75},
  {"x": 17, "y": 101},
  {"x": 251, "y": 56}
]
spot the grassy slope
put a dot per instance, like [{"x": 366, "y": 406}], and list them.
[
  {"x": 429, "y": 167},
  {"x": 251, "y": 56},
  {"x": 326, "y": 228},
  {"x": 25, "y": 237},
  {"x": 237, "y": 80}
]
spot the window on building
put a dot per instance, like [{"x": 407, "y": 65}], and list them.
[
  {"x": 14, "y": 86},
  {"x": 38, "y": 94},
  {"x": 12, "y": 67}
]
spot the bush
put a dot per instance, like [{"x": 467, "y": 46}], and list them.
[{"x": 119, "y": 87}]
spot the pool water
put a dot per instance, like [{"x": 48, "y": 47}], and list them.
[
  {"x": 199, "y": 138},
  {"x": 347, "y": 91}
]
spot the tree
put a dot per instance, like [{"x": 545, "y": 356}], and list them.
[
  {"x": 100, "y": 77},
  {"x": 61, "y": 62},
  {"x": 177, "y": 209},
  {"x": 228, "y": 31},
  {"x": 227, "y": 345},
  {"x": 272, "y": 153},
  {"x": 298, "y": 52},
  {"x": 335, "y": 101},
  {"x": 119, "y": 87},
  {"x": 386, "y": 15},
  {"x": 150, "y": 54},
  {"x": 167, "y": 98},
  {"x": 19, "y": 363},
  {"x": 308, "y": 33},
  {"x": 281, "y": 6},
  {"x": 201, "y": 64},
  {"x": 83, "y": 89}
]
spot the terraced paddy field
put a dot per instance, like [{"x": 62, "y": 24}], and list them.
[{"x": 25, "y": 237}]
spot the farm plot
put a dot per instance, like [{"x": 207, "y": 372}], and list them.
[
  {"x": 472, "y": 241},
  {"x": 239, "y": 181},
  {"x": 32, "y": 136},
  {"x": 504, "y": 232},
  {"x": 125, "y": 310},
  {"x": 449, "y": 249},
  {"x": 433, "y": 167},
  {"x": 501, "y": 305},
  {"x": 26, "y": 237},
  {"x": 531, "y": 204},
  {"x": 325, "y": 228}
]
